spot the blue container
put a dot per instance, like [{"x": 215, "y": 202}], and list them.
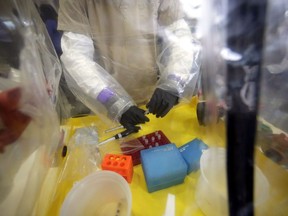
[
  {"x": 163, "y": 166},
  {"x": 191, "y": 152}
]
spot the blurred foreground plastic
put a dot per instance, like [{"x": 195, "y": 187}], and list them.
[
  {"x": 211, "y": 193},
  {"x": 29, "y": 133},
  {"x": 101, "y": 193}
]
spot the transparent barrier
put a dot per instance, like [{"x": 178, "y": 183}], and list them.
[
  {"x": 121, "y": 54},
  {"x": 29, "y": 127}
]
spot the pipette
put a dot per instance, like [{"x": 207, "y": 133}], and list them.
[
  {"x": 120, "y": 135},
  {"x": 113, "y": 129}
]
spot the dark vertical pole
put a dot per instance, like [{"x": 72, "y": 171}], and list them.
[{"x": 245, "y": 34}]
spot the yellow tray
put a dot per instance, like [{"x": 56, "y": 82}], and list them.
[{"x": 180, "y": 126}]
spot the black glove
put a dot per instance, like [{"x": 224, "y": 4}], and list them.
[
  {"x": 132, "y": 117},
  {"x": 161, "y": 102}
]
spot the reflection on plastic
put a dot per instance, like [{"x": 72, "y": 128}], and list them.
[
  {"x": 29, "y": 78},
  {"x": 211, "y": 191}
]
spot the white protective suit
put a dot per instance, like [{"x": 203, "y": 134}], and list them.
[{"x": 114, "y": 52}]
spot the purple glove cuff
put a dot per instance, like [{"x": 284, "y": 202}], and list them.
[
  {"x": 174, "y": 77},
  {"x": 105, "y": 95},
  {"x": 177, "y": 79}
]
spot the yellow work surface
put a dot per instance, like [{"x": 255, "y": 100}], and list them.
[{"x": 180, "y": 126}]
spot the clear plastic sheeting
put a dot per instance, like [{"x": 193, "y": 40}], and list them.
[
  {"x": 112, "y": 98},
  {"x": 115, "y": 51},
  {"x": 82, "y": 156},
  {"x": 50, "y": 63},
  {"x": 29, "y": 135},
  {"x": 272, "y": 138},
  {"x": 274, "y": 106},
  {"x": 224, "y": 50}
]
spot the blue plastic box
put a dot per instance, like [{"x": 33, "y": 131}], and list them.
[
  {"x": 191, "y": 152},
  {"x": 163, "y": 166}
]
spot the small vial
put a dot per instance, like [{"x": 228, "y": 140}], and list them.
[
  {"x": 146, "y": 141},
  {"x": 156, "y": 144},
  {"x": 153, "y": 139},
  {"x": 144, "y": 137},
  {"x": 150, "y": 146},
  {"x": 159, "y": 136},
  {"x": 156, "y": 133}
]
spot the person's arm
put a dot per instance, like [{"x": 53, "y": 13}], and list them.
[
  {"x": 179, "y": 61},
  {"x": 94, "y": 86},
  {"x": 179, "y": 72}
]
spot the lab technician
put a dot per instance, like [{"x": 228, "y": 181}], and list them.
[{"x": 119, "y": 54}]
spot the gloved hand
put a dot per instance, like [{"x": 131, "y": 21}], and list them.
[
  {"x": 132, "y": 117},
  {"x": 161, "y": 102}
]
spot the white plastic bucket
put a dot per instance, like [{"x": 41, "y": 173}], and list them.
[
  {"x": 103, "y": 193},
  {"x": 211, "y": 191}
]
